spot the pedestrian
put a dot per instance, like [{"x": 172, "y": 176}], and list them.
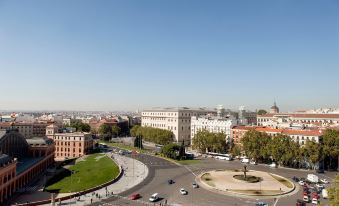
[{"x": 91, "y": 200}]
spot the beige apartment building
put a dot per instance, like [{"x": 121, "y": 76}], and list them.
[
  {"x": 69, "y": 145},
  {"x": 175, "y": 119}
]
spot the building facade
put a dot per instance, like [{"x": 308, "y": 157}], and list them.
[
  {"x": 22, "y": 160},
  {"x": 299, "y": 136},
  {"x": 214, "y": 124},
  {"x": 69, "y": 145},
  {"x": 177, "y": 120},
  {"x": 305, "y": 119}
]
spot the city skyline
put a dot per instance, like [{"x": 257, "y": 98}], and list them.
[{"x": 127, "y": 55}]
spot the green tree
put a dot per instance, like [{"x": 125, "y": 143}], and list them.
[
  {"x": 80, "y": 126},
  {"x": 333, "y": 192},
  {"x": 236, "y": 150},
  {"x": 256, "y": 145},
  {"x": 311, "y": 151},
  {"x": 138, "y": 142},
  {"x": 105, "y": 132},
  {"x": 171, "y": 150},
  {"x": 155, "y": 135},
  {"x": 331, "y": 145},
  {"x": 261, "y": 112},
  {"x": 135, "y": 131},
  {"x": 115, "y": 130}
]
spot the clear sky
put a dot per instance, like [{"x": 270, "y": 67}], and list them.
[{"x": 130, "y": 54}]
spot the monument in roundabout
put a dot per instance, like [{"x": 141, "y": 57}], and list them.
[{"x": 245, "y": 182}]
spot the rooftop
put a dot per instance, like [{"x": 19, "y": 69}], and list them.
[
  {"x": 301, "y": 115},
  {"x": 177, "y": 109},
  {"x": 25, "y": 163}
]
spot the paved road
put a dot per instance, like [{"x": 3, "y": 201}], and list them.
[{"x": 161, "y": 170}]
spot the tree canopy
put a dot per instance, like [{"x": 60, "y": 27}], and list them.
[
  {"x": 155, "y": 135},
  {"x": 212, "y": 142},
  {"x": 261, "y": 112},
  {"x": 80, "y": 126}
]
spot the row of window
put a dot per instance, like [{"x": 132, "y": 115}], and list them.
[
  {"x": 66, "y": 143},
  {"x": 66, "y": 149}
]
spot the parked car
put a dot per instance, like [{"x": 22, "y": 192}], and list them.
[
  {"x": 272, "y": 165},
  {"x": 260, "y": 204},
  {"x": 135, "y": 196},
  {"x": 183, "y": 191},
  {"x": 295, "y": 179},
  {"x": 325, "y": 181},
  {"x": 154, "y": 197},
  {"x": 306, "y": 199},
  {"x": 195, "y": 185},
  {"x": 320, "y": 186},
  {"x": 300, "y": 203},
  {"x": 315, "y": 195},
  {"x": 245, "y": 160},
  {"x": 302, "y": 183},
  {"x": 170, "y": 182},
  {"x": 315, "y": 201}
]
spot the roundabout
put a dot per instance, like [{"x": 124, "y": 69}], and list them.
[{"x": 249, "y": 183}]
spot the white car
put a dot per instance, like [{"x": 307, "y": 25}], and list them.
[
  {"x": 319, "y": 186},
  {"x": 245, "y": 160},
  {"x": 273, "y": 165},
  {"x": 325, "y": 181},
  {"x": 195, "y": 185},
  {"x": 154, "y": 197},
  {"x": 183, "y": 191},
  {"x": 302, "y": 183},
  {"x": 252, "y": 162},
  {"x": 314, "y": 201}
]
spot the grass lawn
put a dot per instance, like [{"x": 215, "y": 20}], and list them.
[
  {"x": 283, "y": 181},
  {"x": 94, "y": 170},
  {"x": 123, "y": 146}
]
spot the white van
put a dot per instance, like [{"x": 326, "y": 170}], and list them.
[
  {"x": 324, "y": 193},
  {"x": 313, "y": 178}
]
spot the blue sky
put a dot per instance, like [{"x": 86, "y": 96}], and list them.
[{"x": 125, "y": 55}]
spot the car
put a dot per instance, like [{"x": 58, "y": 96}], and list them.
[
  {"x": 306, "y": 199},
  {"x": 302, "y": 183},
  {"x": 315, "y": 195},
  {"x": 272, "y": 165},
  {"x": 314, "y": 201},
  {"x": 245, "y": 160},
  {"x": 295, "y": 179},
  {"x": 170, "y": 182},
  {"x": 325, "y": 181},
  {"x": 195, "y": 185},
  {"x": 252, "y": 162},
  {"x": 261, "y": 204},
  {"x": 154, "y": 197},
  {"x": 183, "y": 191},
  {"x": 320, "y": 186},
  {"x": 300, "y": 203},
  {"x": 135, "y": 196}
]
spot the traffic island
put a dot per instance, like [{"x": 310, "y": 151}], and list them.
[{"x": 253, "y": 183}]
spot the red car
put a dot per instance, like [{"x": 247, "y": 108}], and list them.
[
  {"x": 315, "y": 195},
  {"x": 134, "y": 196}
]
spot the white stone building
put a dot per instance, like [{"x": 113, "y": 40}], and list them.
[
  {"x": 177, "y": 120},
  {"x": 215, "y": 124}
]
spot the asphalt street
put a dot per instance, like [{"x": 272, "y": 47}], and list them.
[{"x": 161, "y": 170}]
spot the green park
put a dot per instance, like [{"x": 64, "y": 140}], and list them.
[{"x": 87, "y": 172}]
